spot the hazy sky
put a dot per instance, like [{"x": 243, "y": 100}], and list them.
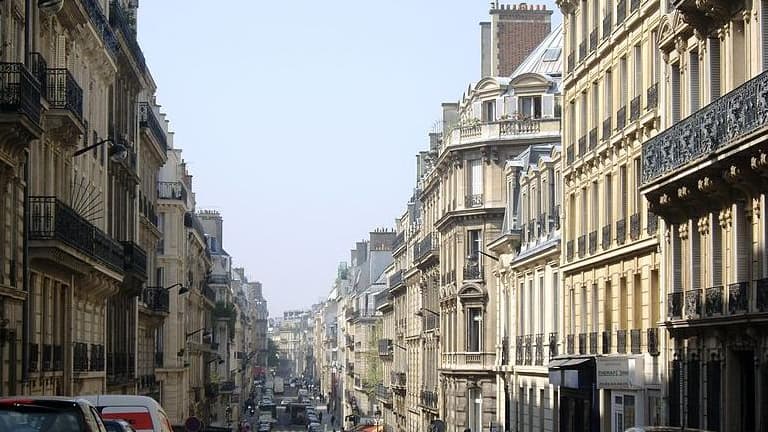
[{"x": 300, "y": 120}]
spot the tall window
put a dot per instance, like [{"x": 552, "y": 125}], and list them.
[
  {"x": 608, "y": 98},
  {"x": 623, "y": 80},
  {"x": 475, "y": 182},
  {"x": 475, "y": 409},
  {"x": 624, "y": 181},
  {"x": 693, "y": 81},
  {"x": 583, "y": 309},
  {"x": 595, "y": 307},
  {"x": 474, "y": 243},
  {"x": 474, "y": 329},
  {"x": 675, "y": 96},
  {"x": 541, "y": 305},
  {"x": 595, "y": 207},
  {"x": 637, "y": 196},
  {"x": 608, "y": 200},
  {"x": 584, "y": 213},
  {"x": 572, "y": 307},
  {"x": 521, "y": 310},
  {"x": 529, "y": 106},
  {"x": 637, "y": 60},
  {"x": 489, "y": 111},
  {"x": 555, "y": 302}
]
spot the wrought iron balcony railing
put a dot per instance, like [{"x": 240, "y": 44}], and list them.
[
  {"x": 399, "y": 240},
  {"x": 79, "y": 356},
  {"x": 19, "y": 91},
  {"x": 148, "y": 119},
  {"x": 582, "y": 145},
  {"x": 593, "y": 39},
  {"x": 505, "y": 350},
  {"x": 38, "y": 67},
  {"x": 621, "y": 231},
  {"x": 592, "y": 138},
  {"x": 593, "y": 343},
  {"x": 761, "y": 295},
  {"x": 583, "y": 343},
  {"x": 172, "y": 191},
  {"x": 725, "y": 120},
  {"x": 607, "y": 25},
  {"x": 473, "y": 270},
  {"x": 386, "y": 348},
  {"x": 569, "y": 344},
  {"x": 592, "y": 242},
  {"x": 97, "y": 358},
  {"x": 63, "y": 92},
  {"x": 519, "y": 348},
  {"x": 713, "y": 301},
  {"x": 528, "y": 344},
  {"x": 47, "y": 357},
  {"x": 396, "y": 279},
  {"x": 159, "y": 359},
  {"x": 553, "y": 351},
  {"x": 606, "y": 243},
  {"x": 569, "y": 154},
  {"x": 582, "y": 50},
  {"x": 652, "y": 223},
  {"x": 51, "y": 219},
  {"x": 569, "y": 250},
  {"x": 428, "y": 245},
  {"x": 621, "y": 118},
  {"x": 135, "y": 259},
  {"x": 472, "y": 201},
  {"x": 384, "y": 394},
  {"x": 607, "y": 337},
  {"x": 156, "y": 299},
  {"x": 738, "y": 297},
  {"x": 399, "y": 379},
  {"x": 634, "y": 108},
  {"x": 538, "y": 358},
  {"x": 621, "y": 341},
  {"x": 100, "y": 23},
  {"x": 119, "y": 20},
  {"x": 675, "y": 305},
  {"x": 693, "y": 303},
  {"x": 635, "y": 342},
  {"x": 209, "y": 293},
  {"x": 34, "y": 357},
  {"x": 429, "y": 399},
  {"x": 607, "y": 128},
  {"x": 582, "y": 245},
  {"x": 653, "y": 341},
  {"x": 634, "y": 226},
  {"x": 570, "y": 62},
  {"x": 652, "y": 96}
]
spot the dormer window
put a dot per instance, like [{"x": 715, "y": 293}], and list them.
[
  {"x": 529, "y": 106},
  {"x": 489, "y": 111}
]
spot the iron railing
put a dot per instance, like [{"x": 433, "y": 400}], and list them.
[
  {"x": 652, "y": 223},
  {"x": 19, "y": 91},
  {"x": 634, "y": 108},
  {"x": 738, "y": 297},
  {"x": 426, "y": 246},
  {"x": 209, "y": 293},
  {"x": 570, "y": 62},
  {"x": 592, "y": 138},
  {"x": 607, "y": 128},
  {"x": 582, "y": 245},
  {"x": 728, "y": 118},
  {"x": 429, "y": 399},
  {"x": 569, "y": 154},
  {"x": 148, "y": 119},
  {"x": 634, "y": 226},
  {"x": 135, "y": 258},
  {"x": 159, "y": 359},
  {"x": 101, "y": 25},
  {"x": 635, "y": 342},
  {"x": 80, "y": 357},
  {"x": 505, "y": 350},
  {"x": 156, "y": 299},
  {"x": 119, "y": 20},
  {"x": 693, "y": 303},
  {"x": 399, "y": 240},
  {"x": 621, "y": 118},
  {"x": 582, "y": 145},
  {"x": 396, "y": 279},
  {"x": 553, "y": 351},
  {"x": 96, "y": 363},
  {"x": 384, "y": 394},
  {"x": 398, "y": 379},
  {"x": 653, "y": 341},
  {"x": 528, "y": 344},
  {"x": 51, "y": 219},
  {"x": 607, "y": 25},
  {"x": 621, "y": 341},
  {"x": 621, "y": 231},
  {"x": 569, "y": 250},
  {"x": 47, "y": 357},
  {"x": 473, "y": 270},
  {"x": 713, "y": 301},
  {"x": 675, "y": 305},
  {"x": 34, "y": 357},
  {"x": 593, "y": 343},
  {"x": 569, "y": 344},
  {"x": 607, "y": 337},
  {"x": 386, "y": 347},
  {"x": 582, "y": 50},
  {"x": 761, "y": 295},
  {"x": 652, "y": 96},
  {"x": 38, "y": 67},
  {"x": 621, "y": 11},
  {"x": 593, "y": 39},
  {"x": 471, "y": 201},
  {"x": 519, "y": 348},
  {"x": 538, "y": 358},
  {"x": 606, "y": 243},
  {"x": 592, "y": 242},
  {"x": 63, "y": 92},
  {"x": 582, "y": 343}
]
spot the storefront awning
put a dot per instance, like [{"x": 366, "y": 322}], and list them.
[
  {"x": 555, "y": 364},
  {"x": 572, "y": 363}
]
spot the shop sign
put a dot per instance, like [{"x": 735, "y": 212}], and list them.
[{"x": 620, "y": 372}]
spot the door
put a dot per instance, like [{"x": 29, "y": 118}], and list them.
[{"x": 623, "y": 412}]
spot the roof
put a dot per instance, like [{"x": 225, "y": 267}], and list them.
[{"x": 547, "y": 58}]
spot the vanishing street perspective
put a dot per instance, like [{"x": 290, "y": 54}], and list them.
[{"x": 578, "y": 243}]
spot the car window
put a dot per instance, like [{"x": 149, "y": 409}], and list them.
[
  {"x": 95, "y": 422},
  {"x": 35, "y": 418}
]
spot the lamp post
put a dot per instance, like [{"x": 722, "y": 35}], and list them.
[
  {"x": 205, "y": 331},
  {"x": 182, "y": 290},
  {"x": 117, "y": 153},
  {"x": 377, "y": 418}
]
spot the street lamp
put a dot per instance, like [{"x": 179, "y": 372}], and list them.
[
  {"x": 217, "y": 359},
  {"x": 377, "y": 418},
  {"x": 117, "y": 153},
  {"x": 421, "y": 311},
  {"x": 205, "y": 331},
  {"x": 182, "y": 290}
]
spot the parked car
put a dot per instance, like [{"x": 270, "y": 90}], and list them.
[
  {"x": 142, "y": 412},
  {"x": 49, "y": 414},
  {"x": 118, "y": 426},
  {"x": 662, "y": 429}
]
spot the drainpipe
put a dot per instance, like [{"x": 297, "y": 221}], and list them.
[{"x": 25, "y": 224}]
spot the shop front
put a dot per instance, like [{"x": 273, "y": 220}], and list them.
[
  {"x": 578, "y": 403},
  {"x": 620, "y": 380}
]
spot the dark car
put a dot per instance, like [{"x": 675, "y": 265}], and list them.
[
  {"x": 118, "y": 426},
  {"x": 49, "y": 414}
]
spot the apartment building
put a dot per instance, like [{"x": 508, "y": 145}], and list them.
[
  {"x": 702, "y": 174},
  {"x": 386, "y": 351},
  {"x": 611, "y": 265}
]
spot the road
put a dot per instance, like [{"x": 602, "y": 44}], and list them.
[{"x": 283, "y": 424}]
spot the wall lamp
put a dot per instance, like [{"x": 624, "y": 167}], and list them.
[
  {"x": 205, "y": 331},
  {"x": 117, "y": 153},
  {"x": 421, "y": 311},
  {"x": 182, "y": 290},
  {"x": 218, "y": 359}
]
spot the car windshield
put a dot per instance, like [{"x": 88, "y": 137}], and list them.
[{"x": 37, "y": 418}]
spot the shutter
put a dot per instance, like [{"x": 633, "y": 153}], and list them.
[
  {"x": 694, "y": 81},
  {"x": 548, "y": 105},
  {"x": 717, "y": 251},
  {"x": 695, "y": 256},
  {"x": 477, "y": 177},
  {"x": 675, "y": 78},
  {"x": 714, "y": 68},
  {"x": 677, "y": 282},
  {"x": 743, "y": 245},
  {"x": 513, "y": 108},
  {"x": 499, "y": 107},
  {"x": 477, "y": 110}
]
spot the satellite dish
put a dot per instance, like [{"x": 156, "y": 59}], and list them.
[{"x": 50, "y": 7}]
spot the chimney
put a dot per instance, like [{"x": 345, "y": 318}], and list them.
[
  {"x": 382, "y": 239},
  {"x": 486, "y": 50},
  {"x": 434, "y": 141},
  {"x": 450, "y": 115},
  {"x": 361, "y": 249},
  {"x": 515, "y": 32}
]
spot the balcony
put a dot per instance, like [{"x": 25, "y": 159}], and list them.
[
  {"x": 97, "y": 358},
  {"x": 569, "y": 344},
  {"x": 634, "y": 226},
  {"x": 519, "y": 344},
  {"x": 473, "y": 201},
  {"x": 569, "y": 154},
  {"x": 386, "y": 348},
  {"x": 502, "y": 130},
  {"x": 149, "y": 123},
  {"x": 738, "y": 297},
  {"x": 101, "y": 25},
  {"x": 20, "y": 98},
  {"x": 538, "y": 358},
  {"x": 172, "y": 191},
  {"x": 607, "y": 25},
  {"x": 652, "y": 96},
  {"x": 135, "y": 260},
  {"x": 607, "y": 128},
  {"x": 51, "y": 219},
  {"x": 593, "y": 343},
  {"x": 652, "y": 223},
  {"x": 621, "y": 231},
  {"x": 634, "y": 108},
  {"x": 592, "y": 138},
  {"x": 713, "y": 301},
  {"x": 607, "y": 342},
  {"x": 582, "y": 242},
  {"x": 592, "y": 242},
  {"x": 79, "y": 357},
  {"x": 399, "y": 240},
  {"x": 428, "y": 399},
  {"x": 675, "y": 305},
  {"x": 120, "y": 367},
  {"x": 582, "y": 343},
  {"x": 156, "y": 299},
  {"x": 621, "y": 118},
  {"x": 706, "y": 132},
  {"x": 606, "y": 237},
  {"x": 761, "y": 297},
  {"x": 396, "y": 279},
  {"x": 384, "y": 394},
  {"x": 120, "y": 21},
  {"x": 593, "y": 39},
  {"x": 634, "y": 341},
  {"x": 569, "y": 250},
  {"x": 653, "y": 341},
  {"x": 473, "y": 270},
  {"x": 553, "y": 351},
  {"x": 621, "y": 341},
  {"x": 65, "y": 99},
  {"x": 469, "y": 360},
  {"x": 398, "y": 380},
  {"x": 692, "y": 303},
  {"x": 427, "y": 247},
  {"x": 582, "y": 50},
  {"x": 528, "y": 349},
  {"x": 505, "y": 350},
  {"x": 582, "y": 145}
]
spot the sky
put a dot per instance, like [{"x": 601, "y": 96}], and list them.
[{"x": 300, "y": 120}]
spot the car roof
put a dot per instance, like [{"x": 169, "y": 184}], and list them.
[
  {"x": 122, "y": 400},
  {"x": 55, "y": 399}
]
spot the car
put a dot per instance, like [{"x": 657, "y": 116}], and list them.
[
  {"x": 118, "y": 426},
  {"x": 49, "y": 413},
  {"x": 142, "y": 412},
  {"x": 662, "y": 429},
  {"x": 264, "y": 427},
  {"x": 314, "y": 427}
]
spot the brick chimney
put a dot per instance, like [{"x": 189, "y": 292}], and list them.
[{"x": 514, "y": 31}]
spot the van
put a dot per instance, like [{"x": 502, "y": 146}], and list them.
[{"x": 142, "y": 412}]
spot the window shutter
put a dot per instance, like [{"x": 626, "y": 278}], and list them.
[
  {"x": 675, "y": 93},
  {"x": 743, "y": 246},
  {"x": 695, "y": 257},
  {"x": 714, "y": 67},
  {"x": 548, "y": 106},
  {"x": 717, "y": 251},
  {"x": 477, "y": 110},
  {"x": 677, "y": 282},
  {"x": 477, "y": 177},
  {"x": 693, "y": 72}
]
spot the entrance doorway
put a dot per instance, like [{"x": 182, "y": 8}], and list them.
[
  {"x": 623, "y": 412},
  {"x": 747, "y": 395}
]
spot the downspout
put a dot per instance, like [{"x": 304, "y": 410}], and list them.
[{"x": 25, "y": 224}]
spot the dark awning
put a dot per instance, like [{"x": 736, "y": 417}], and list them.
[{"x": 556, "y": 364}]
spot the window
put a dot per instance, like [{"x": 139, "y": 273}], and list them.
[
  {"x": 714, "y": 66},
  {"x": 489, "y": 111},
  {"x": 624, "y": 186},
  {"x": 159, "y": 277},
  {"x": 583, "y": 310},
  {"x": 595, "y": 207},
  {"x": 572, "y": 307},
  {"x": 637, "y": 59},
  {"x": 584, "y": 213},
  {"x": 541, "y": 301},
  {"x": 693, "y": 80},
  {"x": 608, "y": 95},
  {"x": 555, "y": 302},
  {"x": 675, "y": 96},
  {"x": 608, "y": 199},
  {"x": 475, "y": 409},
  {"x": 474, "y": 329},
  {"x": 623, "y": 80},
  {"x": 529, "y": 106},
  {"x": 474, "y": 243},
  {"x": 475, "y": 183},
  {"x": 637, "y": 196}
]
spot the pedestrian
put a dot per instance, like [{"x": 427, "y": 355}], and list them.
[
  {"x": 333, "y": 420},
  {"x": 320, "y": 416}
]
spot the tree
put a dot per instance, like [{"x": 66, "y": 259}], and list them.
[
  {"x": 273, "y": 359},
  {"x": 374, "y": 368}
]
